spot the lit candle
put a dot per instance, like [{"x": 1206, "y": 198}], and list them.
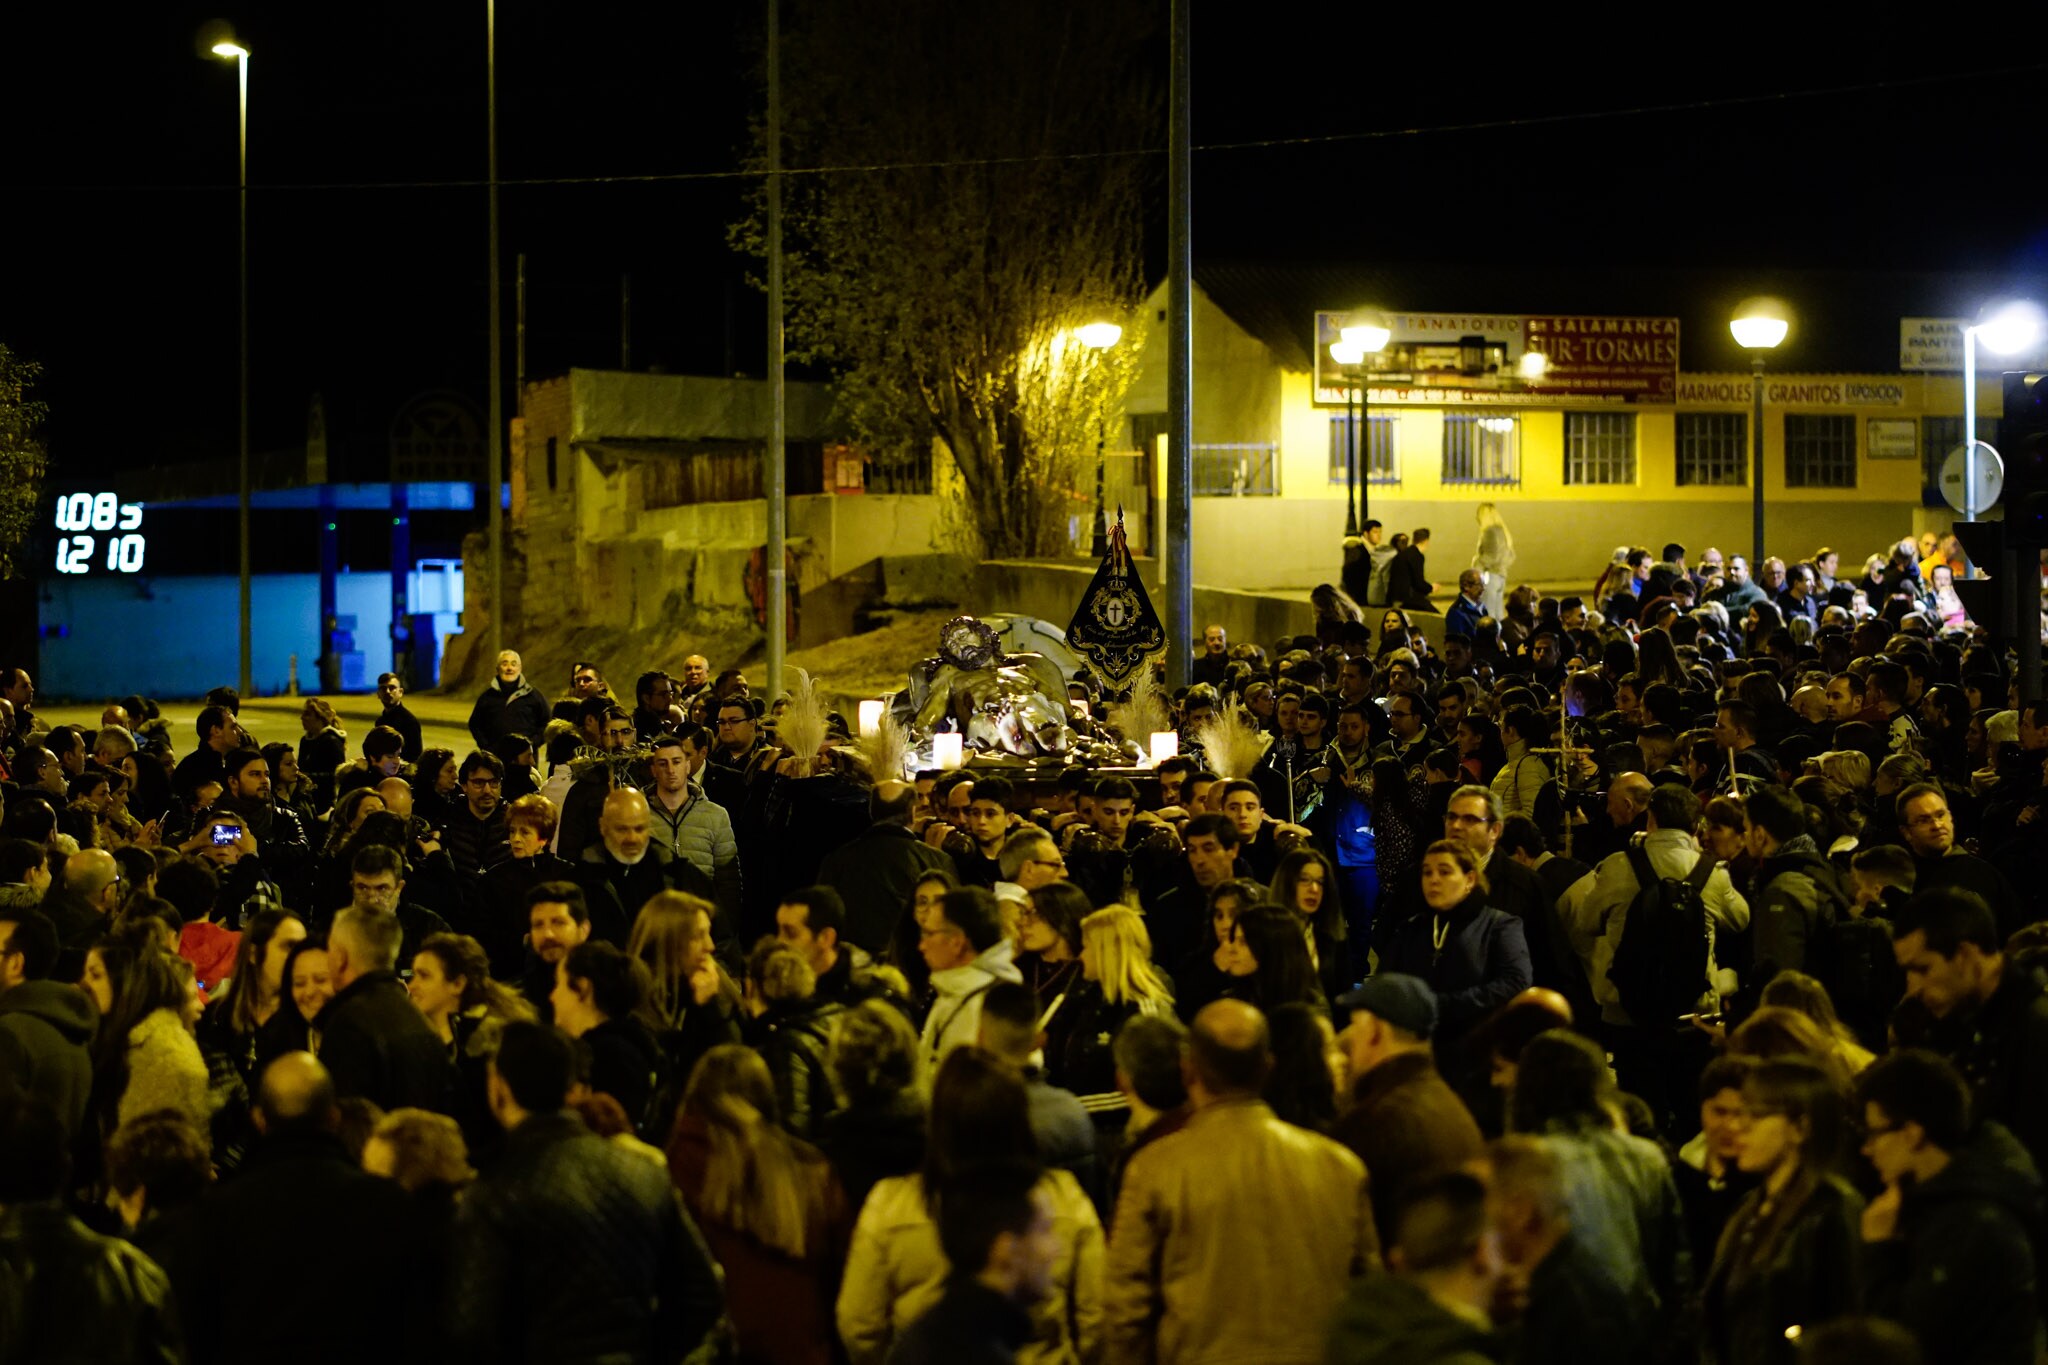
[
  {"x": 946, "y": 752},
  {"x": 1081, "y": 705},
  {"x": 1165, "y": 744},
  {"x": 870, "y": 719}
]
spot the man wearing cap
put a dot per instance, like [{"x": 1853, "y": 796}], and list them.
[{"x": 1405, "y": 1121}]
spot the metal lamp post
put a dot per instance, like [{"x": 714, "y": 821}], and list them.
[
  {"x": 1356, "y": 342},
  {"x": 1758, "y": 326},
  {"x": 2013, "y": 328},
  {"x": 238, "y": 54},
  {"x": 1099, "y": 336}
]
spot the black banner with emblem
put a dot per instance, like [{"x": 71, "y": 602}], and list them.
[{"x": 1115, "y": 628}]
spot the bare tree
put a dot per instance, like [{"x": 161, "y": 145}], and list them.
[
  {"x": 23, "y": 461},
  {"x": 965, "y": 191}
]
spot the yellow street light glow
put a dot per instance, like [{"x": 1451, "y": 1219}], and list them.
[
  {"x": 2015, "y": 327},
  {"x": 230, "y": 50},
  {"x": 1347, "y": 353},
  {"x": 1759, "y": 324},
  {"x": 1099, "y": 336},
  {"x": 1533, "y": 364},
  {"x": 1369, "y": 338}
]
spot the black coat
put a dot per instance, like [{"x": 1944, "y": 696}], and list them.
[
  {"x": 1408, "y": 580},
  {"x": 301, "y": 1218},
  {"x": 873, "y": 1139},
  {"x": 69, "y": 1296},
  {"x": 971, "y": 1324},
  {"x": 502, "y": 711},
  {"x": 501, "y": 917},
  {"x": 616, "y": 891},
  {"x": 46, "y": 1034},
  {"x": 375, "y": 1043},
  {"x": 875, "y": 874},
  {"x": 626, "y": 1064},
  {"x": 2002, "y": 1050},
  {"x": 1809, "y": 1273},
  {"x": 574, "y": 1251},
  {"x": 401, "y": 719},
  {"x": 794, "y": 1038},
  {"x": 1960, "y": 1273},
  {"x": 1484, "y": 962}
]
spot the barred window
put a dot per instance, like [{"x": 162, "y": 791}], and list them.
[
  {"x": 1599, "y": 447},
  {"x": 1482, "y": 450},
  {"x": 1236, "y": 470},
  {"x": 1713, "y": 449},
  {"x": 1379, "y": 461},
  {"x": 1820, "y": 450}
]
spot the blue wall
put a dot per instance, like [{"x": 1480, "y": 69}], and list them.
[{"x": 176, "y": 637}]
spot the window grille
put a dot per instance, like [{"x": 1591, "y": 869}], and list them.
[{"x": 1713, "y": 449}]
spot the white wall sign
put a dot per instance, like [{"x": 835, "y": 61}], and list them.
[{"x": 1894, "y": 438}]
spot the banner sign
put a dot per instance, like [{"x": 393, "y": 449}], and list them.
[
  {"x": 1115, "y": 628},
  {"x": 1479, "y": 358},
  {"x": 1793, "y": 391}
]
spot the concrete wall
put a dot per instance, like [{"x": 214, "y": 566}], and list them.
[
  {"x": 1237, "y": 384},
  {"x": 175, "y": 637}
]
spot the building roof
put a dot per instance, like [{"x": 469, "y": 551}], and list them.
[{"x": 1846, "y": 322}]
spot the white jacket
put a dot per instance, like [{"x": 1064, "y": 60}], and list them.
[
  {"x": 956, "y": 1014},
  {"x": 1596, "y": 924}
]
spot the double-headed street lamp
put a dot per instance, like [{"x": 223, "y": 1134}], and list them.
[
  {"x": 1355, "y": 342},
  {"x": 1759, "y": 325},
  {"x": 2013, "y": 328},
  {"x": 239, "y": 55},
  {"x": 1099, "y": 336}
]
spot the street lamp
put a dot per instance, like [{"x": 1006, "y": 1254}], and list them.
[
  {"x": 1099, "y": 336},
  {"x": 2014, "y": 327},
  {"x": 1356, "y": 341},
  {"x": 230, "y": 50},
  {"x": 1759, "y": 325}
]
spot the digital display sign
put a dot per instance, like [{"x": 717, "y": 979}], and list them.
[{"x": 99, "y": 532}]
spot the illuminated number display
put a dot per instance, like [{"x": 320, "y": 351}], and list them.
[{"x": 101, "y": 532}]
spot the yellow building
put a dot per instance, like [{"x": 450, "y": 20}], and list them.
[{"x": 1612, "y": 439}]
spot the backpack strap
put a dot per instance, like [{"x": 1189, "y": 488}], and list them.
[{"x": 1639, "y": 863}]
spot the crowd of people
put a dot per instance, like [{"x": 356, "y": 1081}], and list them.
[{"x": 1654, "y": 975}]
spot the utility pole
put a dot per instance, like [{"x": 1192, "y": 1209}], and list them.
[
  {"x": 495, "y": 481},
  {"x": 772, "y": 470},
  {"x": 1180, "y": 426}
]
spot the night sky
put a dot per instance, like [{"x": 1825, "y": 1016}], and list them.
[{"x": 120, "y": 231}]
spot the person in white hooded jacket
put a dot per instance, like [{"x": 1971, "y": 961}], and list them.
[{"x": 964, "y": 945}]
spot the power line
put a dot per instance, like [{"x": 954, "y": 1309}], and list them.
[{"x": 1241, "y": 145}]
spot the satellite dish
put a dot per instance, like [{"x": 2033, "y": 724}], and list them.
[{"x": 1990, "y": 470}]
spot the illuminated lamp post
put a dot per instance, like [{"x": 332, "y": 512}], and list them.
[
  {"x": 1759, "y": 325},
  {"x": 239, "y": 55},
  {"x": 1355, "y": 342},
  {"x": 2013, "y": 328}
]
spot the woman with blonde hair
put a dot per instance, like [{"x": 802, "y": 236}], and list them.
[
  {"x": 1494, "y": 555},
  {"x": 691, "y": 1004},
  {"x": 1118, "y": 983},
  {"x": 769, "y": 1206},
  {"x": 1850, "y": 767},
  {"x": 1802, "y": 994}
]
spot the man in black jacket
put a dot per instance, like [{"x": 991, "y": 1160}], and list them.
[
  {"x": 572, "y": 1249},
  {"x": 1408, "y": 582},
  {"x": 625, "y": 869},
  {"x": 67, "y": 1293},
  {"x": 1948, "y": 1247},
  {"x": 304, "y": 1219},
  {"x": 373, "y": 1040},
  {"x": 397, "y": 716},
  {"x": 876, "y": 871},
  {"x": 1990, "y": 1017},
  {"x": 508, "y": 706},
  {"x": 45, "y": 1028}
]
